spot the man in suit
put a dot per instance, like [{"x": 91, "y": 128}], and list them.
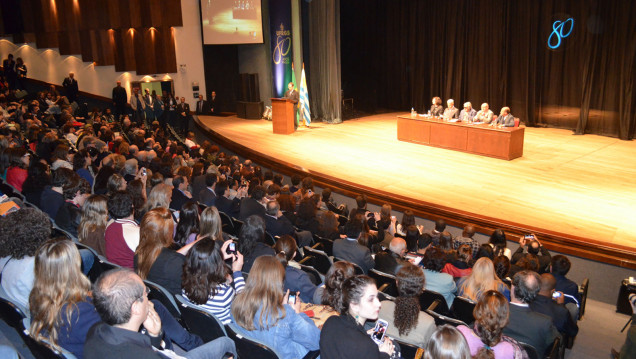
[
  {"x": 202, "y": 106},
  {"x": 207, "y": 195},
  {"x": 213, "y": 104},
  {"x": 554, "y": 309},
  {"x": 180, "y": 194},
  {"x": 293, "y": 96},
  {"x": 485, "y": 115},
  {"x": 183, "y": 113},
  {"x": 8, "y": 66},
  {"x": 119, "y": 101},
  {"x": 436, "y": 233},
  {"x": 505, "y": 119},
  {"x": 224, "y": 203},
  {"x": 391, "y": 261},
  {"x": 71, "y": 87},
  {"x": 138, "y": 106},
  {"x": 149, "y": 101},
  {"x": 533, "y": 246},
  {"x": 559, "y": 267},
  {"x": 254, "y": 205},
  {"x": 276, "y": 223},
  {"x": 451, "y": 111},
  {"x": 525, "y": 325},
  {"x": 348, "y": 248},
  {"x": 468, "y": 113}
]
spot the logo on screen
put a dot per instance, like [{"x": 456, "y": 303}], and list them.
[
  {"x": 560, "y": 30},
  {"x": 283, "y": 45}
]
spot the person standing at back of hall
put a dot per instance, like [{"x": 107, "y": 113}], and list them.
[
  {"x": 119, "y": 101},
  {"x": 71, "y": 87}
]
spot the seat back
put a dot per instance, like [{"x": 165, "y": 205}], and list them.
[
  {"x": 313, "y": 274},
  {"x": 227, "y": 224},
  {"x": 44, "y": 350},
  {"x": 96, "y": 269},
  {"x": 554, "y": 351},
  {"x": 200, "y": 322},
  {"x": 321, "y": 261},
  {"x": 166, "y": 298},
  {"x": 342, "y": 220},
  {"x": 11, "y": 314},
  {"x": 462, "y": 309},
  {"x": 442, "y": 319},
  {"x": 249, "y": 348},
  {"x": 530, "y": 350},
  {"x": 326, "y": 245},
  {"x": 269, "y": 239},
  {"x": 409, "y": 351},
  {"x": 358, "y": 270},
  {"x": 59, "y": 232},
  {"x": 436, "y": 302},
  {"x": 583, "y": 292},
  {"x": 385, "y": 281},
  {"x": 238, "y": 224},
  {"x": 517, "y": 121}
]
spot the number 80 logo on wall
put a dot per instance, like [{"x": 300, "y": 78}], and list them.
[{"x": 560, "y": 30}]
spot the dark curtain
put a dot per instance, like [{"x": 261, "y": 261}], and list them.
[
  {"x": 323, "y": 81},
  {"x": 399, "y": 54},
  {"x": 221, "y": 67}
]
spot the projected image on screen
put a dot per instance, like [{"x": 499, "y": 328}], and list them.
[{"x": 231, "y": 22}]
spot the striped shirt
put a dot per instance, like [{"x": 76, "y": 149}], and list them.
[{"x": 220, "y": 303}]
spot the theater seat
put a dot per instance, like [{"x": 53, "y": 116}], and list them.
[{"x": 517, "y": 121}]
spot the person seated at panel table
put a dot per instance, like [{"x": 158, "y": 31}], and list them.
[
  {"x": 505, "y": 119},
  {"x": 468, "y": 113},
  {"x": 437, "y": 109},
  {"x": 485, "y": 115},
  {"x": 451, "y": 111}
]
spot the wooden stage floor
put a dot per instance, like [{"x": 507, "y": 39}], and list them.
[{"x": 581, "y": 188}]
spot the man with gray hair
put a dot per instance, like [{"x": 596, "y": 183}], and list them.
[
  {"x": 275, "y": 223},
  {"x": 451, "y": 111},
  {"x": 130, "y": 169},
  {"x": 468, "y": 113},
  {"x": 525, "y": 325},
  {"x": 391, "y": 262},
  {"x": 121, "y": 300},
  {"x": 505, "y": 119}
]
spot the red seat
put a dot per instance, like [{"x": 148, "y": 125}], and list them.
[{"x": 517, "y": 122}]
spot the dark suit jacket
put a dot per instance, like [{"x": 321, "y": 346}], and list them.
[
  {"x": 560, "y": 315},
  {"x": 202, "y": 107},
  {"x": 278, "y": 226},
  {"x": 506, "y": 121},
  {"x": 71, "y": 87},
  {"x": 183, "y": 107},
  {"x": 531, "y": 328},
  {"x": 228, "y": 206},
  {"x": 293, "y": 96},
  {"x": 388, "y": 262},
  {"x": 207, "y": 197},
  {"x": 213, "y": 105},
  {"x": 250, "y": 206},
  {"x": 198, "y": 184},
  {"x": 119, "y": 95},
  {"x": 351, "y": 251},
  {"x": 178, "y": 199}
]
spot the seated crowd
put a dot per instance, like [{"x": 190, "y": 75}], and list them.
[{"x": 232, "y": 239}]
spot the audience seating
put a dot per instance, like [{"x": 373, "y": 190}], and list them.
[
  {"x": 237, "y": 225},
  {"x": 96, "y": 270},
  {"x": 313, "y": 274},
  {"x": 386, "y": 282},
  {"x": 435, "y": 302},
  {"x": 356, "y": 267},
  {"x": 383, "y": 296},
  {"x": 59, "y": 232},
  {"x": 269, "y": 239},
  {"x": 321, "y": 261},
  {"x": 462, "y": 309},
  {"x": 442, "y": 319},
  {"x": 11, "y": 314},
  {"x": 227, "y": 225},
  {"x": 409, "y": 351},
  {"x": 532, "y": 352},
  {"x": 161, "y": 294},
  {"x": 324, "y": 244},
  {"x": 200, "y": 322},
  {"x": 583, "y": 292},
  {"x": 249, "y": 348},
  {"x": 556, "y": 350}
]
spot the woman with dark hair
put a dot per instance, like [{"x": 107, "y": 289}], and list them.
[
  {"x": 295, "y": 279},
  {"x": 75, "y": 193},
  {"x": 461, "y": 266},
  {"x": 486, "y": 340},
  {"x": 18, "y": 163},
  {"x": 408, "y": 219},
  {"x": 436, "y": 108},
  {"x": 434, "y": 261},
  {"x": 251, "y": 241},
  {"x": 329, "y": 226},
  {"x": 82, "y": 165},
  {"x": 447, "y": 343},
  {"x": 154, "y": 260},
  {"x": 93, "y": 223},
  {"x": 485, "y": 250},
  {"x": 188, "y": 226},
  {"x": 137, "y": 190},
  {"x": 499, "y": 244},
  {"x": 207, "y": 280},
  {"x": 262, "y": 312},
  {"x": 22, "y": 233},
  {"x": 406, "y": 320},
  {"x": 287, "y": 205},
  {"x": 331, "y": 292},
  {"x": 306, "y": 216},
  {"x": 115, "y": 183},
  {"x": 502, "y": 269},
  {"x": 60, "y": 158},
  {"x": 359, "y": 303},
  {"x": 412, "y": 238},
  {"x": 38, "y": 177}
]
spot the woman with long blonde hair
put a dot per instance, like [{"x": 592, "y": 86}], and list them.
[
  {"x": 160, "y": 196},
  {"x": 262, "y": 312},
  {"x": 154, "y": 258},
  {"x": 60, "y": 304},
  {"x": 93, "y": 223},
  {"x": 210, "y": 224},
  {"x": 482, "y": 279}
]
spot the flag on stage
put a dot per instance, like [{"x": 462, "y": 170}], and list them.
[
  {"x": 296, "y": 118},
  {"x": 304, "y": 99}
]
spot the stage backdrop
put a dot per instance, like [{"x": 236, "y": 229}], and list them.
[{"x": 399, "y": 54}]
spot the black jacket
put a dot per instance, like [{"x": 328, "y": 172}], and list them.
[{"x": 358, "y": 343}]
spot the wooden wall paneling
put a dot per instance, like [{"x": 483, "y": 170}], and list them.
[
  {"x": 145, "y": 53},
  {"x": 105, "y": 56},
  {"x": 69, "y": 42},
  {"x": 68, "y": 15},
  {"x": 23, "y": 37},
  {"x": 166, "y": 59},
  {"x": 172, "y": 13},
  {"x": 50, "y": 15},
  {"x": 46, "y": 40},
  {"x": 124, "y": 49},
  {"x": 116, "y": 17},
  {"x": 26, "y": 12},
  {"x": 136, "y": 13}
]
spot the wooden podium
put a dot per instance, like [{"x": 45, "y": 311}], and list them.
[{"x": 282, "y": 116}]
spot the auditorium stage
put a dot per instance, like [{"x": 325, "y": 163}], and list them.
[{"x": 578, "y": 193}]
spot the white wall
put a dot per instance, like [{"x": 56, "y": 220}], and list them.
[{"x": 49, "y": 66}]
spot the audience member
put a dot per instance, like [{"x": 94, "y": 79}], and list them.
[
  {"x": 349, "y": 249},
  {"x": 447, "y": 343},
  {"x": 533, "y": 246},
  {"x": 391, "y": 261},
  {"x": 276, "y": 223},
  {"x": 436, "y": 281},
  {"x": 330, "y": 293},
  {"x": 296, "y": 280},
  {"x": 559, "y": 268},
  {"x": 554, "y": 308},
  {"x": 467, "y": 238},
  {"x": 499, "y": 244},
  {"x": 188, "y": 226},
  {"x": 93, "y": 223},
  {"x": 18, "y": 163},
  {"x": 481, "y": 280},
  {"x": 52, "y": 197},
  {"x": 69, "y": 215},
  {"x": 207, "y": 195},
  {"x": 122, "y": 233},
  {"x": 461, "y": 265},
  {"x": 251, "y": 241},
  {"x": 180, "y": 194},
  {"x": 38, "y": 178}
]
